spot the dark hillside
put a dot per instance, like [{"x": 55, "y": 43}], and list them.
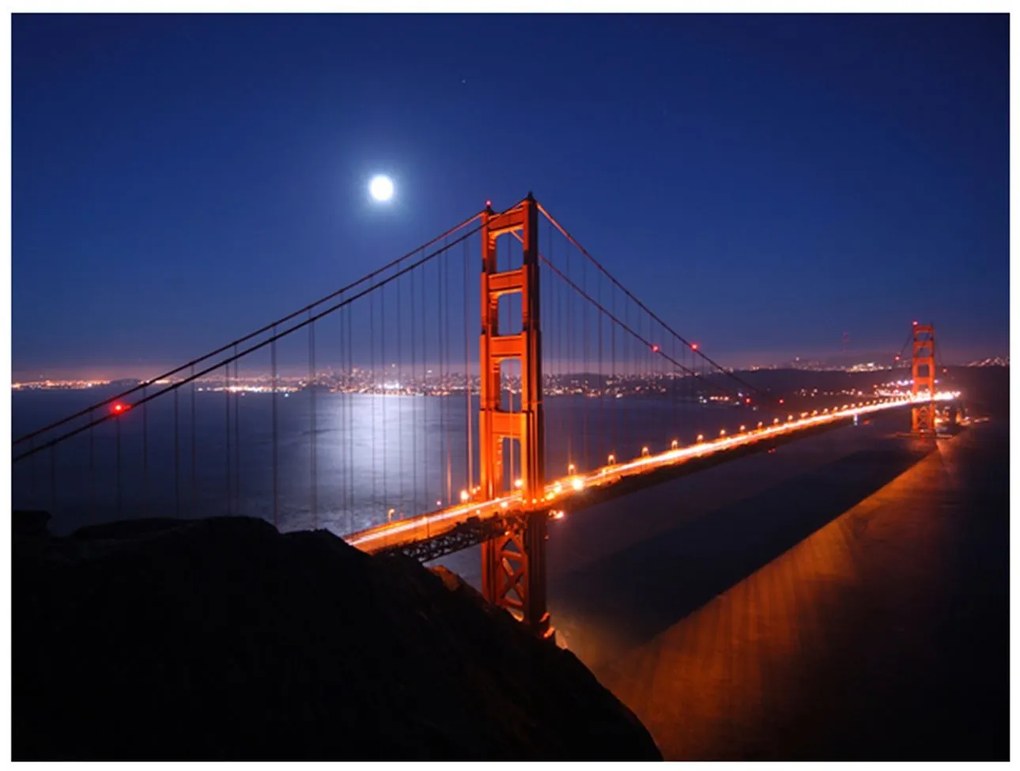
[{"x": 223, "y": 639}]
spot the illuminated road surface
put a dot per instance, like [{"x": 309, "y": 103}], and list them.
[{"x": 561, "y": 495}]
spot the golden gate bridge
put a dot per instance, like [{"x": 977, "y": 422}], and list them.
[{"x": 425, "y": 409}]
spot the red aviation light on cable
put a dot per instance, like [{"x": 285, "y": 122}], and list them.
[
  {"x": 118, "y": 408},
  {"x": 655, "y": 348},
  {"x": 694, "y": 346}
]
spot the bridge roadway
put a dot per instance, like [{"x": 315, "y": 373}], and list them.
[{"x": 577, "y": 491}]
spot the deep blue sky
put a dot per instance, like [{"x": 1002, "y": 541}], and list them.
[{"x": 766, "y": 182}]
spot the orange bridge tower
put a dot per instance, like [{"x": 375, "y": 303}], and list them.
[
  {"x": 513, "y": 563},
  {"x": 923, "y": 372}
]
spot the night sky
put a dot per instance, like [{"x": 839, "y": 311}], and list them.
[{"x": 767, "y": 183}]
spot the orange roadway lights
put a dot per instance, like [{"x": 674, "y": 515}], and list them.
[
  {"x": 557, "y": 514},
  {"x": 464, "y": 496},
  {"x": 570, "y": 468},
  {"x": 577, "y": 483},
  {"x": 743, "y": 428},
  {"x": 674, "y": 444},
  {"x": 701, "y": 437},
  {"x": 644, "y": 451},
  {"x": 518, "y": 483},
  {"x": 722, "y": 432},
  {"x": 612, "y": 459}
]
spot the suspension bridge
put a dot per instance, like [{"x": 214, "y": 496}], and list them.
[{"x": 380, "y": 412}]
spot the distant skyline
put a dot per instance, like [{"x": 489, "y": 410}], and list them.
[{"x": 766, "y": 183}]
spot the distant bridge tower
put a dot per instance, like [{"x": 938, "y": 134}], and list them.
[
  {"x": 923, "y": 371},
  {"x": 513, "y": 563}
]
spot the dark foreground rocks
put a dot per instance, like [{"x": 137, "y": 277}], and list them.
[{"x": 223, "y": 639}]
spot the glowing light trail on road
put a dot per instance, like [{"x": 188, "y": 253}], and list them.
[{"x": 561, "y": 491}]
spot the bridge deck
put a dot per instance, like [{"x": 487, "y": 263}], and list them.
[{"x": 574, "y": 492}]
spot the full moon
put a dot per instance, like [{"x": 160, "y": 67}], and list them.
[{"x": 381, "y": 187}]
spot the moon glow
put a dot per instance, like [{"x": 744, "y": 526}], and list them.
[{"x": 381, "y": 188}]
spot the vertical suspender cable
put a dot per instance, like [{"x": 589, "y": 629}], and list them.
[
  {"x": 342, "y": 397},
  {"x": 414, "y": 376},
  {"x": 401, "y": 381},
  {"x": 350, "y": 418},
  {"x": 372, "y": 395},
  {"x": 469, "y": 443},
  {"x": 567, "y": 328},
  {"x": 194, "y": 450},
  {"x": 275, "y": 432},
  {"x": 427, "y": 396},
  {"x": 584, "y": 464},
  {"x": 601, "y": 378},
  {"x": 145, "y": 453},
  {"x": 237, "y": 436},
  {"x": 612, "y": 360},
  {"x": 313, "y": 437},
  {"x": 443, "y": 328},
  {"x": 384, "y": 401},
  {"x": 226, "y": 394},
  {"x": 177, "y": 453}
]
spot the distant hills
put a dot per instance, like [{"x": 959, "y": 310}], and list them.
[{"x": 995, "y": 361}]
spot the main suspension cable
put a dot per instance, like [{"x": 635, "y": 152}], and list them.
[
  {"x": 224, "y": 362},
  {"x": 234, "y": 343},
  {"x": 640, "y": 304}
]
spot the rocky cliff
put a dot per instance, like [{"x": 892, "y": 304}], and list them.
[{"x": 223, "y": 639}]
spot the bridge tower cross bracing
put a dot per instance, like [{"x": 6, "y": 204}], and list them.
[
  {"x": 923, "y": 374},
  {"x": 513, "y": 563}
]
